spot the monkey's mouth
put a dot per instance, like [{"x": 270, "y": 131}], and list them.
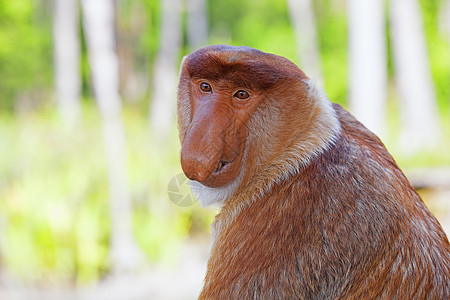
[
  {"x": 220, "y": 166},
  {"x": 222, "y": 174},
  {"x": 226, "y": 170}
]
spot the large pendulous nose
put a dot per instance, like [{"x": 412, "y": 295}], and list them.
[{"x": 200, "y": 153}]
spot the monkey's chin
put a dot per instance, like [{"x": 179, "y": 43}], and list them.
[{"x": 218, "y": 195}]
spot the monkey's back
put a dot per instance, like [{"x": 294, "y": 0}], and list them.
[{"x": 347, "y": 226}]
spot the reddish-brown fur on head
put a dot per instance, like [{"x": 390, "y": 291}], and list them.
[
  {"x": 313, "y": 205},
  {"x": 248, "y": 135},
  {"x": 217, "y": 130}
]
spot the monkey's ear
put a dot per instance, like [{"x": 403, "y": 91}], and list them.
[
  {"x": 184, "y": 106},
  {"x": 183, "y": 66},
  {"x": 183, "y": 61}
]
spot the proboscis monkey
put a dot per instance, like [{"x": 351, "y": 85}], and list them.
[{"x": 312, "y": 204}]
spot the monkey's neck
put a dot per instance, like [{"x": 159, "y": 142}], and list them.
[{"x": 311, "y": 140}]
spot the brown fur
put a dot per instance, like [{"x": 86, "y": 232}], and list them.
[{"x": 316, "y": 207}]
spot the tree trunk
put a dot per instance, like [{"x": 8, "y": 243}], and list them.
[
  {"x": 304, "y": 22},
  {"x": 67, "y": 59},
  {"x": 420, "y": 125},
  {"x": 134, "y": 81},
  {"x": 197, "y": 22},
  {"x": 99, "y": 27},
  {"x": 367, "y": 60},
  {"x": 163, "y": 102},
  {"x": 444, "y": 18}
]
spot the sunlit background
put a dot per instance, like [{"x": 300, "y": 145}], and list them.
[{"x": 88, "y": 141}]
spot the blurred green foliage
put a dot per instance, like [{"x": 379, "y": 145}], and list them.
[
  {"x": 439, "y": 52},
  {"x": 54, "y": 212},
  {"x": 25, "y": 50}
]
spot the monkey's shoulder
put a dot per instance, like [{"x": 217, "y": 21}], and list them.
[{"x": 349, "y": 212}]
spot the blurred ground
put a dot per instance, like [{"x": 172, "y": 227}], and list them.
[{"x": 183, "y": 280}]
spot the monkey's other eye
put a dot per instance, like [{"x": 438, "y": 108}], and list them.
[
  {"x": 206, "y": 87},
  {"x": 241, "y": 94}
]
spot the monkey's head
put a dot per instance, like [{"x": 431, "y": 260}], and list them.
[{"x": 239, "y": 109}]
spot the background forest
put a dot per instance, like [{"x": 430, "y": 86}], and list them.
[{"x": 89, "y": 155}]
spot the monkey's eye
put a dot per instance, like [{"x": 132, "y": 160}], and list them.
[
  {"x": 241, "y": 94},
  {"x": 206, "y": 87}
]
